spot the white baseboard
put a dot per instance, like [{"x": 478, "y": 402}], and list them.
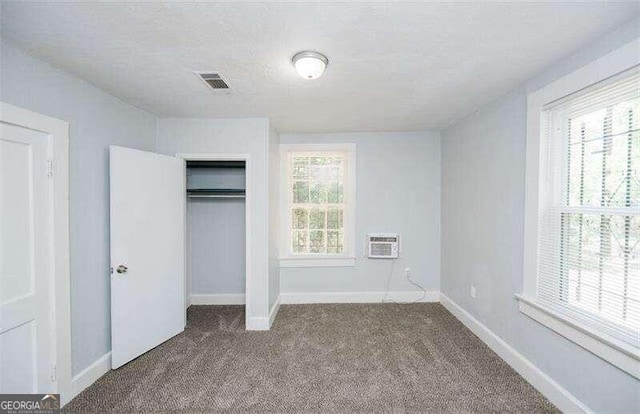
[
  {"x": 555, "y": 393},
  {"x": 261, "y": 323},
  {"x": 257, "y": 323},
  {"x": 218, "y": 299},
  {"x": 358, "y": 297},
  {"x": 274, "y": 311},
  {"x": 90, "y": 374}
]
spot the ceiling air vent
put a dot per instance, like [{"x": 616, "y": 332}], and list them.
[{"x": 214, "y": 80}]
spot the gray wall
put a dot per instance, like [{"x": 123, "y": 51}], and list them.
[
  {"x": 216, "y": 246},
  {"x": 274, "y": 215},
  {"x": 250, "y": 136},
  {"x": 483, "y": 167},
  {"x": 398, "y": 190},
  {"x": 216, "y": 234},
  {"x": 96, "y": 120}
]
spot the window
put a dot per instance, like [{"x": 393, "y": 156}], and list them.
[
  {"x": 589, "y": 260},
  {"x": 582, "y": 220},
  {"x": 318, "y": 199},
  {"x": 317, "y": 205}
]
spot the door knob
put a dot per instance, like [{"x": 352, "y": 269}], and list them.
[{"x": 122, "y": 269}]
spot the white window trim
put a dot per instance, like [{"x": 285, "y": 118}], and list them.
[
  {"x": 618, "y": 353},
  {"x": 622, "y": 355},
  {"x": 326, "y": 260}
]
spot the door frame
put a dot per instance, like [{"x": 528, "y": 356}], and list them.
[
  {"x": 247, "y": 218},
  {"x": 58, "y": 131}
]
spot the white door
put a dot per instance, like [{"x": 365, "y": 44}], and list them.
[
  {"x": 26, "y": 271},
  {"x": 147, "y": 251}
]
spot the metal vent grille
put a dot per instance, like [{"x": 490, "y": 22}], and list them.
[
  {"x": 214, "y": 80},
  {"x": 381, "y": 249}
]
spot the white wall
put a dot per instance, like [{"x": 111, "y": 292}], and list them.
[
  {"x": 398, "y": 190},
  {"x": 274, "y": 215},
  {"x": 483, "y": 164},
  {"x": 96, "y": 120},
  {"x": 250, "y": 136}
]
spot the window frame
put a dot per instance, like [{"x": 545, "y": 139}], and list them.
[
  {"x": 619, "y": 353},
  {"x": 287, "y": 257}
]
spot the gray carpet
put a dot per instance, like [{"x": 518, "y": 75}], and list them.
[{"x": 318, "y": 358}]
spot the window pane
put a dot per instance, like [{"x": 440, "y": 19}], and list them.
[
  {"x": 334, "y": 219},
  {"x": 318, "y": 168},
  {"x": 604, "y": 154},
  {"x": 335, "y": 193},
  {"x": 602, "y": 278},
  {"x": 299, "y": 241},
  {"x": 301, "y": 168},
  {"x": 625, "y": 116},
  {"x": 300, "y": 192},
  {"x": 334, "y": 241},
  {"x": 333, "y": 169},
  {"x": 588, "y": 126},
  {"x": 299, "y": 218},
  {"x": 585, "y": 181},
  {"x": 316, "y": 241},
  {"x": 622, "y": 171},
  {"x": 317, "y": 219},
  {"x": 620, "y": 270},
  {"x": 318, "y": 193}
]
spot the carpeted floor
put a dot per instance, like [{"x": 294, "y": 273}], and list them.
[{"x": 318, "y": 358}]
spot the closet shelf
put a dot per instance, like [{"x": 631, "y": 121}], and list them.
[
  {"x": 216, "y": 193},
  {"x": 215, "y": 164}
]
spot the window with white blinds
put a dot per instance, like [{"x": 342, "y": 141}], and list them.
[{"x": 589, "y": 216}]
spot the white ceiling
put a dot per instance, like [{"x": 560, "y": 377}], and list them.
[{"x": 393, "y": 67}]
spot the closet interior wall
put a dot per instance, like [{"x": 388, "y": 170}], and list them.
[{"x": 216, "y": 228}]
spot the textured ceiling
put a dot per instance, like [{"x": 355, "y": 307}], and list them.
[{"x": 401, "y": 66}]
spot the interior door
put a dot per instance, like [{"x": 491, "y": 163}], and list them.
[
  {"x": 147, "y": 251},
  {"x": 26, "y": 276}
]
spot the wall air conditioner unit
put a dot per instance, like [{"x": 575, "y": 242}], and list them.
[{"x": 383, "y": 245}]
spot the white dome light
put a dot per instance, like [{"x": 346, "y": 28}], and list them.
[{"x": 310, "y": 65}]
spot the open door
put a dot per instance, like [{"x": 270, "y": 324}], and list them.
[{"x": 147, "y": 251}]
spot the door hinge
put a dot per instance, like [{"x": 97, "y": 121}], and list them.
[
  {"x": 53, "y": 373},
  {"x": 49, "y": 168}
]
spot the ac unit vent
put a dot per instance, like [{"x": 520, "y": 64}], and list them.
[
  {"x": 382, "y": 245},
  {"x": 214, "y": 80}
]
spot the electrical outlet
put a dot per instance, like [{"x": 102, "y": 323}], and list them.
[
  {"x": 473, "y": 292},
  {"x": 407, "y": 272}
]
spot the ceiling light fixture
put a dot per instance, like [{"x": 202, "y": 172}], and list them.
[{"x": 309, "y": 64}]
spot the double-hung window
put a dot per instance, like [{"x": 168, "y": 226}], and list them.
[
  {"x": 318, "y": 198},
  {"x": 590, "y": 223},
  {"x": 587, "y": 262}
]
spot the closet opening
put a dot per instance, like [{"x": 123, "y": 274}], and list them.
[{"x": 217, "y": 233}]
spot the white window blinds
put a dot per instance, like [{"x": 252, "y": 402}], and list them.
[{"x": 589, "y": 223}]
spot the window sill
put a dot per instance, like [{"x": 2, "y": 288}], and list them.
[
  {"x": 622, "y": 355},
  {"x": 318, "y": 262}
]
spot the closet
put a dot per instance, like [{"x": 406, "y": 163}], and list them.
[{"x": 216, "y": 229}]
